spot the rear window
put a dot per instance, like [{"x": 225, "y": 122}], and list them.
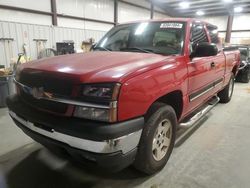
[
  {"x": 213, "y": 33},
  {"x": 198, "y": 35}
]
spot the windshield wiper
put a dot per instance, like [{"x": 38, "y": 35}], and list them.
[
  {"x": 136, "y": 48},
  {"x": 102, "y": 48}
]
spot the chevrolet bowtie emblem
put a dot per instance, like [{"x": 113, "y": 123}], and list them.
[{"x": 39, "y": 93}]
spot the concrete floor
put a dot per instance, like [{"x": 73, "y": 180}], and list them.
[{"x": 216, "y": 155}]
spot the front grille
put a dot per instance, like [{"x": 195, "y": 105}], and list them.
[
  {"x": 43, "y": 104},
  {"x": 50, "y": 82}
]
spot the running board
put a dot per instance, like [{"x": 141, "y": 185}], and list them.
[{"x": 190, "y": 123}]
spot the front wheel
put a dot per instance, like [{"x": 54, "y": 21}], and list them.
[
  {"x": 157, "y": 140},
  {"x": 225, "y": 95}
]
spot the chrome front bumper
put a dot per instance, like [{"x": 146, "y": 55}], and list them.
[{"x": 124, "y": 144}]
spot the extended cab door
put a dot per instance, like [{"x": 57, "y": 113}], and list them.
[{"x": 200, "y": 69}]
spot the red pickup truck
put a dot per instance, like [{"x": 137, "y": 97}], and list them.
[{"x": 121, "y": 103}]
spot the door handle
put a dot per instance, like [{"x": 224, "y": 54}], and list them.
[{"x": 212, "y": 65}]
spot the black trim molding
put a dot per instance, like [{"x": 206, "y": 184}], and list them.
[{"x": 204, "y": 90}]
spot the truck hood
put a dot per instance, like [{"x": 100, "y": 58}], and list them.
[{"x": 99, "y": 66}]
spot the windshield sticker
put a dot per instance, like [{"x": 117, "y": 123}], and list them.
[{"x": 171, "y": 25}]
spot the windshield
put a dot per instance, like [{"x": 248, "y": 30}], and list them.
[{"x": 146, "y": 37}]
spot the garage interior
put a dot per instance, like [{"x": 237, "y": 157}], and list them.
[{"x": 215, "y": 153}]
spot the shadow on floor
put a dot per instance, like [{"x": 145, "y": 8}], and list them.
[{"x": 31, "y": 172}]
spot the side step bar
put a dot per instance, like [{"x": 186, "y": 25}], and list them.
[{"x": 189, "y": 124}]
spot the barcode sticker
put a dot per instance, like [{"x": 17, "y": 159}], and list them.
[{"x": 171, "y": 25}]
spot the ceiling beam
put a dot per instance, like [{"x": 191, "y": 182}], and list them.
[
  {"x": 205, "y": 10},
  {"x": 210, "y": 7},
  {"x": 25, "y": 10},
  {"x": 176, "y": 2},
  {"x": 199, "y": 7},
  {"x": 140, "y": 6},
  {"x": 215, "y": 13},
  {"x": 84, "y": 19}
]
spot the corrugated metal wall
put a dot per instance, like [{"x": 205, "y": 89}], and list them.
[
  {"x": 22, "y": 25},
  {"x": 242, "y": 37},
  {"x": 23, "y": 33}
]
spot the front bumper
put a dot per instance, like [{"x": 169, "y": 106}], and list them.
[
  {"x": 93, "y": 141},
  {"x": 124, "y": 144}
]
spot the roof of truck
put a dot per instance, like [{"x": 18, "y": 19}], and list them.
[{"x": 172, "y": 20}]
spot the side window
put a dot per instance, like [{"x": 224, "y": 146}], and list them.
[
  {"x": 213, "y": 33},
  {"x": 198, "y": 35}
]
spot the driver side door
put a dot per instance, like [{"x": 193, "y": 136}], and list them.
[{"x": 200, "y": 70}]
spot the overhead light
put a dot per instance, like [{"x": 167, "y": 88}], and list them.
[
  {"x": 184, "y": 5},
  {"x": 200, "y": 13},
  {"x": 238, "y": 9},
  {"x": 228, "y": 1}
]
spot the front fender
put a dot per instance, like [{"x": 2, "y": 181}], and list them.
[{"x": 139, "y": 93}]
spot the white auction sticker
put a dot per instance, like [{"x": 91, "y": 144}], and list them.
[{"x": 171, "y": 25}]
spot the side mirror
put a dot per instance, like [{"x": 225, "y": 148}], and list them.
[{"x": 205, "y": 49}]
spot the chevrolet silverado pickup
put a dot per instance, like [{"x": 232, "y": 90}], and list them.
[{"x": 121, "y": 103}]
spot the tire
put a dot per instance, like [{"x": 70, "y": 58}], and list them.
[
  {"x": 151, "y": 159},
  {"x": 225, "y": 95},
  {"x": 245, "y": 77}
]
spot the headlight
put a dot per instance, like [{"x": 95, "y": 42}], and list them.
[{"x": 106, "y": 91}]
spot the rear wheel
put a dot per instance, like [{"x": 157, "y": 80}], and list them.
[
  {"x": 225, "y": 95},
  {"x": 157, "y": 140}
]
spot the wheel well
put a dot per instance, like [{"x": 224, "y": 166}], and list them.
[{"x": 173, "y": 99}]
